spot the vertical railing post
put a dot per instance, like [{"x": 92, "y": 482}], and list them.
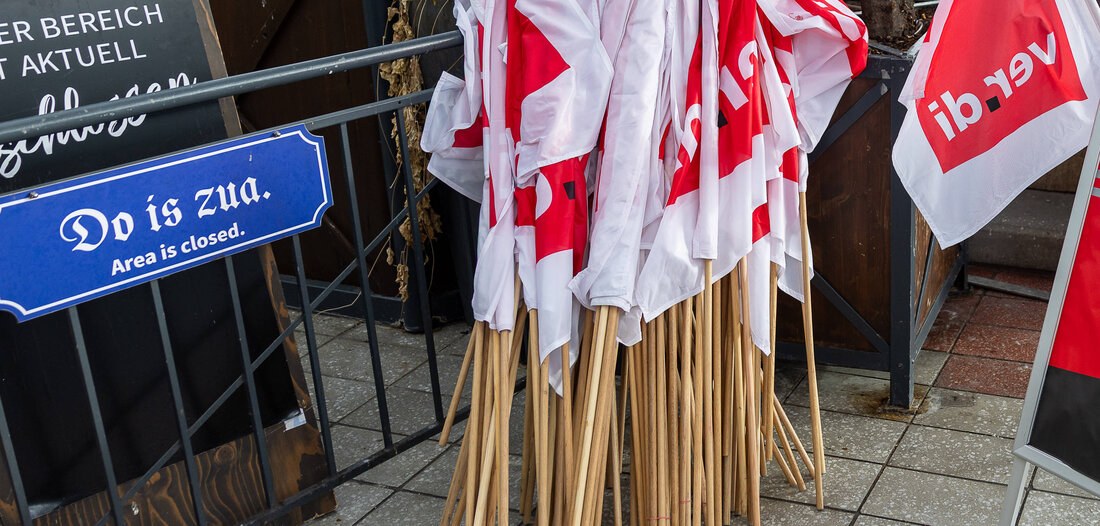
[
  {"x": 902, "y": 261},
  {"x": 314, "y": 358},
  {"x": 418, "y": 265},
  {"x": 97, "y": 415},
  {"x": 248, "y": 373},
  {"x": 177, "y": 401}
]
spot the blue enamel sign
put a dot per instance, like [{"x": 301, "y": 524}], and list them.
[{"x": 65, "y": 243}]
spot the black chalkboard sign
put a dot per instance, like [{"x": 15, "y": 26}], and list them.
[
  {"x": 62, "y": 54},
  {"x": 58, "y": 54}
]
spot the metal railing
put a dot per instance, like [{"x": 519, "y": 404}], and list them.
[{"x": 32, "y": 127}]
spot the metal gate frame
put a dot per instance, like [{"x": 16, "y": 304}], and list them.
[{"x": 309, "y": 298}]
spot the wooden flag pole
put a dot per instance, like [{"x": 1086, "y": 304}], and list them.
[
  {"x": 473, "y": 427},
  {"x": 740, "y": 485},
  {"x": 661, "y": 405},
  {"x": 707, "y": 381},
  {"x": 769, "y": 361},
  {"x": 565, "y": 423},
  {"x": 672, "y": 393},
  {"x": 463, "y": 372},
  {"x": 811, "y": 367},
  {"x": 794, "y": 438},
  {"x": 588, "y": 418},
  {"x": 748, "y": 354},
  {"x": 697, "y": 482},
  {"x": 685, "y": 417},
  {"x": 791, "y": 460}
]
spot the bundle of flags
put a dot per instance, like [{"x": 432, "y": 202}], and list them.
[{"x": 641, "y": 167}]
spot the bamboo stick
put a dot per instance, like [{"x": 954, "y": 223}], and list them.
[
  {"x": 473, "y": 427},
  {"x": 463, "y": 372},
  {"x": 782, "y": 434},
  {"x": 811, "y": 364},
  {"x": 588, "y": 420},
  {"x": 527, "y": 470},
  {"x": 697, "y": 483},
  {"x": 748, "y": 356},
  {"x": 706, "y": 379},
  {"x": 659, "y": 384},
  {"x": 686, "y": 403},
  {"x": 794, "y": 438},
  {"x": 769, "y": 362}
]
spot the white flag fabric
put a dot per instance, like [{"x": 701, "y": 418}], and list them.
[
  {"x": 558, "y": 77},
  {"x": 494, "y": 284},
  {"x": 633, "y": 33},
  {"x": 453, "y": 127},
  {"x": 829, "y": 47},
  {"x": 981, "y": 127}
]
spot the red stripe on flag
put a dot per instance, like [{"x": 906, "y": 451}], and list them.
[
  {"x": 533, "y": 62},
  {"x": 525, "y": 206},
  {"x": 761, "y": 223},
  {"x": 1075, "y": 346},
  {"x": 563, "y": 225}
]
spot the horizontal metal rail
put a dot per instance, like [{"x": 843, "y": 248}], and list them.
[{"x": 92, "y": 114}]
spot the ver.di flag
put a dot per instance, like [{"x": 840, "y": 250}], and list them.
[{"x": 987, "y": 116}]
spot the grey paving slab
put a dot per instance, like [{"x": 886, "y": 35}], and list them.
[
  {"x": 452, "y": 338},
  {"x": 300, "y": 338},
  {"x": 782, "y": 513},
  {"x": 353, "y": 502},
  {"x": 387, "y": 335},
  {"x": 867, "y": 520},
  {"x": 787, "y": 377},
  {"x": 352, "y": 444},
  {"x": 399, "y": 469},
  {"x": 928, "y": 366},
  {"x": 927, "y": 498},
  {"x": 331, "y": 325},
  {"x": 1043, "y": 509},
  {"x": 1046, "y": 481},
  {"x": 966, "y": 411},
  {"x": 957, "y": 453},
  {"x": 406, "y": 509},
  {"x": 846, "y": 483},
  {"x": 458, "y": 429},
  {"x": 342, "y": 396},
  {"x": 409, "y": 412},
  {"x": 849, "y": 436},
  {"x": 350, "y": 359},
  {"x": 449, "y": 366},
  {"x": 436, "y": 478},
  {"x": 853, "y": 394}
]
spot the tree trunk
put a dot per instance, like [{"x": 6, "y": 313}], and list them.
[{"x": 887, "y": 19}]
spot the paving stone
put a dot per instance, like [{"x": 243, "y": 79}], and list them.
[
  {"x": 1005, "y": 343},
  {"x": 1042, "y": 509},
  {"x": 409, "y": 412},
  {"x": 974, "y": 412},
  {"x": 928, "y": 366},
  {"x": 330, "y": 325},
  {"x": 351, "y": 444},
  {"x": 867, "y": 520},
  {"x": 1010, "y": 312},
  {"x": 399, "y": 469},
  {"x": 943, "y": 335},
  {"x": 351, "y": 360},
  {"x": 341, "y": 396},
  {"x": 449, "y": 366},
  {"x": 985, "y": 375},
  {"x": 353, "y": 502},
  {"x": 406, "y": 509},
  {"x": 436, "y": 478},
  {"x": 1049, "y": 482},
  {"x": 300, "y": 339},
  {"x": 782, "y": 513},
  {"x": 948, "y": 452},
  {"x": 848, "y": 436},
  {"x": 846, "y": 483},
  {"x": 934, "y": 499},
  {"x": 452, "y": 338},
  {"x": 858, "y": 395},
  {"x": 387, "y": 336},
  {"x": 787, "y": 377}
]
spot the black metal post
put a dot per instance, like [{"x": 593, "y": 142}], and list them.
[{"x": 902, "y": 261}]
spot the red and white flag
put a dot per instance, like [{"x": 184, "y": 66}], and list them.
[
  {"x": 829, "y": 48},
  {"x": 633, "y": 33},
  {"x": 669, "y": 273},
  {"x": 494, "y": 283},
  {"x": 983, "y": 126},
  {"x": 454, "y": 125},
  {"x": 558, "y": 77}
]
